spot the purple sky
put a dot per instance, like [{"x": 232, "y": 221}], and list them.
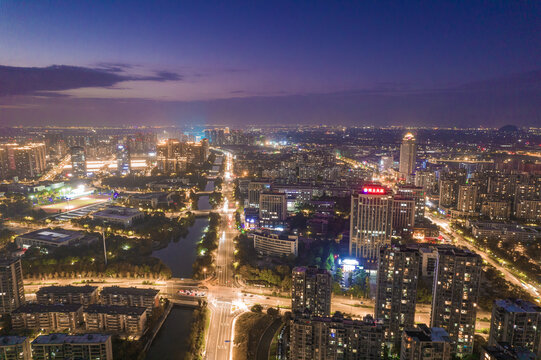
[{"x": 464, "y": 63}]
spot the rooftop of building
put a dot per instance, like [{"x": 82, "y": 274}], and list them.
[
  {"x": 31, "y": 308},
  {"x": 281, "y": 235},
  {"x": 117, "y": 290},
  {"x": 60, "y": 338},
  {"x": 310, "y": 270},
  {"x": 7, "y": 261},
  {"x": 518, "y": 306},
  {"x": 504, "y": 351},
  {"x": 115, "y": 309},
  {"x": 423, "y": 333},
  {"x": 11, "y": 340},
  {"x": 53, "y": 235},
  {"x": 119, "y": 212},
  {"x": 456, "y": 251},
  {"x": 409, "y": 248},
  {"x": 87, "y": 289},
  {"x": 338, "y": 318}
]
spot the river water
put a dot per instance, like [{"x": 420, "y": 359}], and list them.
[{"x": 171, "y": 341}]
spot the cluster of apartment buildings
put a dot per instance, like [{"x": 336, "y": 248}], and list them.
[
  {"x": 57, "y": 346},
  {"x": 22, "y": 161},
  {"x": 114, "y": 310},
  {"x": 174, "y": 155},
  {"x": 315, "y": 334}
]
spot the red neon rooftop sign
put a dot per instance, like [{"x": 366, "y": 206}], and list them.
[{"x": 378, "y": 190}]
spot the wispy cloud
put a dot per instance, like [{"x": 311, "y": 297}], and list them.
[{"x": 37, "y": 80}]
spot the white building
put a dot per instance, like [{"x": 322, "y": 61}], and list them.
[{"x": 275, "y": 244}]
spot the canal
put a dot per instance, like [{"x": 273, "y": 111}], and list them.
[{"x": 172, "y": 340}]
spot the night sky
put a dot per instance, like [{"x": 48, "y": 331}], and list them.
[{"x": 440, "y": 63}]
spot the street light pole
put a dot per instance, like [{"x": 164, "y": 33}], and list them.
[{"x": 104, "y": 247}]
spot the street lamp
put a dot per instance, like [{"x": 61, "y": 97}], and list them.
[
  {"x": 205, "y": 272},
  {"x": 104, "y": 248}
]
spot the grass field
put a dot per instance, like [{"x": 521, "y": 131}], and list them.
[{"x": 75, "y": 203}]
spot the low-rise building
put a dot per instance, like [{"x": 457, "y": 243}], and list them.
[
  {"x": 53, "y": 238},
  {"x": 119, "y": 215},
  {"x": 130, "y": 296},
  {"x": 275, "y": 244},
  {"x": 130, "y": 320},
  {"x": 424, "y": 343},
  {"x": 57, "y": 317},
  {"x": 15, "y": 348},
  {"x": 69, "y": 294},
  {"x": 64, "y": 347},
  {"x": 504, "y": 231},
  {"x": 150, "y": 200}
]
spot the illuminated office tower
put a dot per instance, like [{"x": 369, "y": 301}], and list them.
[
  {"x": 272, "y": 206},
  {"x": 78, "y": 161},
  {"x": 255, "y": 188},
  {"x": 398, "y": 274},
  {"x": 370, "y": 224},
  {"x": 122, "y": 160},
  {"x": 456, "y": 295},
  {"x": 416, "y": 193},
  {"x": 403, "y": 215},
  {"x": 408, "y": 154}
]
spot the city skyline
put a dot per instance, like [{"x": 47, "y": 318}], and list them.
[{"x": 307, "y": 63}]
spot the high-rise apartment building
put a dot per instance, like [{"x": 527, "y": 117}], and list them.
[
  {"x": 424, "y": 343},
  {"x": 518, "y": 323},
  {"x": 78, "y": 161},
  {"x": 528, "y": 209},
  {"x": 408, "y": 154},
  {"x": 467, "y": 200},
  {"x": 63, "y": 346},
  {"x": 11, "y": 285},
  {"x": 398, "y": 274},
  {"x": 15, "y": 348},
  {"x": 311, "y": 291},
  {"x": 496, "y": 209},
  {"x": 448, "y": 192},
  {"x": 427, "y": 180},
  {"x": 330, "y": 338},
  {"x": 370, "y": 224},
  {"x": 455, "y": 296},
  {"x": 123, "y": 160},
  {"x": 69, "y": 294},
  {"x": 24, "y": 161},
  {"x": 169, "y": 156}
]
